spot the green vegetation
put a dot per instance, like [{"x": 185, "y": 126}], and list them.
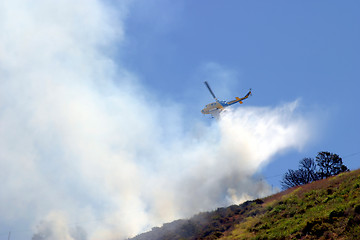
[{"x": 325, "y": 209}]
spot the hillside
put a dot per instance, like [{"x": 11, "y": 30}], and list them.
[{"x": 326, "y": 209}]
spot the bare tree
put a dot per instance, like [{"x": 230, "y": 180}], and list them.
[
  {"x": 309, "y": 167},
  {"x": 292, "y": 178}
]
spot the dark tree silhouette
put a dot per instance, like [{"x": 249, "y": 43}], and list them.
[
  {"x": 329, "y": 164},
  {"x": 310, "y": 170},
  {"x": 291, "y": 178},
  {"x": 306, "y": 173}
]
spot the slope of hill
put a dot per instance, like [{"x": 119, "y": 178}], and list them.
[{"x": 326, "y": 209}]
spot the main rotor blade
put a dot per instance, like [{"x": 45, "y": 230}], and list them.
[{"x": 208, "y": 86}]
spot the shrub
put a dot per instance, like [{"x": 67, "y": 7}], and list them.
[
  {"x": 339, "y": 212},
  {"x": 357, "y": 208}
]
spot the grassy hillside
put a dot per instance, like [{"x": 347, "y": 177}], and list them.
[{"x": 326, "y": 209}]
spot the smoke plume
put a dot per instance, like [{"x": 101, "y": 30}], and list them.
[{"x": 87, "y": 153}]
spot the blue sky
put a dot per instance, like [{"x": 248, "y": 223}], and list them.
[{"x": 284, "y": 50}]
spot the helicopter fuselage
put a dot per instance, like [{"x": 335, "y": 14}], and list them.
[
  {"x": 216, "y": 107},
  {"x": 212, "y": 107}
]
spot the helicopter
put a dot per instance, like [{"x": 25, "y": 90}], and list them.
[{"x": 216, "y": 107}]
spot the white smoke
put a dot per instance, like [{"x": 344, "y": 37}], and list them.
[
  {"x": 55, "y": 226},
  {"x": 81, "y": 141}
]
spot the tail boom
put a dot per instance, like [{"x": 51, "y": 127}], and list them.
[{"x": 240, "y": 100}]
